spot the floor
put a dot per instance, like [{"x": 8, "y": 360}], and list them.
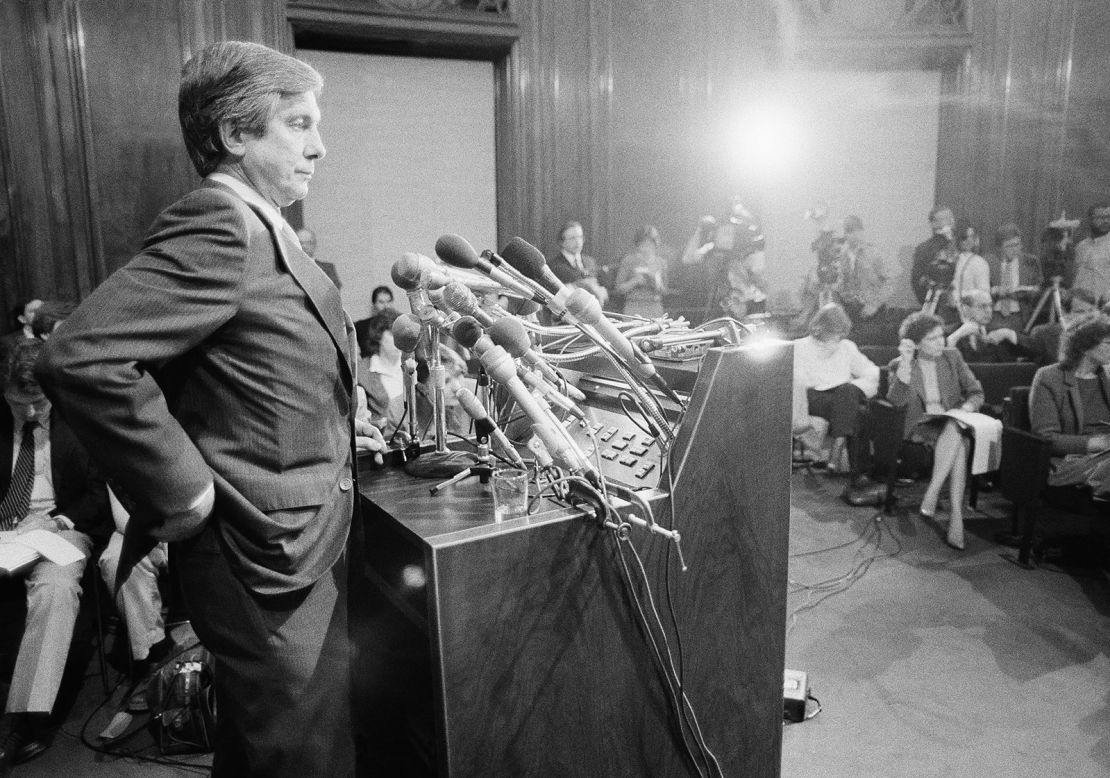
[{"x": 925, "y": 661}]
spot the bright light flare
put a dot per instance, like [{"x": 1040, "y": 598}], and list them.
[{"x": 766, "y": 140}]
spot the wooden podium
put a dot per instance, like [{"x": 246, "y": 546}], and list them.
[{"x": 537, "y": 664}]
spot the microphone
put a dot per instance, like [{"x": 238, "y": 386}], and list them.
[
  {"x": 502, "y": 369},
  {"x": 406, "y": 337},
  {"x": 455, "y": 250},
  {"x": 409, "y": 274},
  {"x": 468, "y": 332},
  {"x": 585, "y": 307},
  {"x": 485, "y": 426},
  {"x": 461, "y": 299},
  {"x": 531, "y": 263},
  {"x": 510, "y": 334}
]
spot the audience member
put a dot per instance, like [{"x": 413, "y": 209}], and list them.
[
  {"x": 1015, "y": 277},
  {"x": 928, "y": 380},
  {"x": 1092, "y": 254},
  {"x": 574, "y": 268},
  {"x": 139, "y": 601},
  {"x": 49, "y": 315},
  {"x": 850, "y": 270},
  {"x": 934, "y": 259},
  {"x": 1044, "y": 340},
  {"x": 23, "y": 322},
  {"x": 976, "y": 342},
  {"x": 734, "y": 252},
  {"x": 1070, "y": 405},
  {"x": 381, "y": 373},
  {"x": 308, "y": 245},
  {"x": 51, "y": 486},
  {"x": 381, "y": 301},
  {"x": 837, "y": 380},
  {"x": 971, "y": 272},
  {"x": 642, "y": 277}
]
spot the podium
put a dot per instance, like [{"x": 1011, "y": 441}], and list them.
[{"x": 536, "y": 660}]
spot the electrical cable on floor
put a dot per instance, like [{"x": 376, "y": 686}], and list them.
[
  {"x": 199, "y": 768},
  {"x": 842, "y": 583}
]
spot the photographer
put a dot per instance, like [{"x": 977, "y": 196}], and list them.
[
  {"x": 849, "y": 270},
  {"x": 734, "y": 250},
  {"x": 934, "y": 259}
]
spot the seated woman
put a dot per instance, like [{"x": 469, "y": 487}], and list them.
[
  {"x": 836, "y": 378},
  {"x": 380, "y": 373},
  {"x": 930, "y": 379},
  {"x": 1070, "y": 405}
]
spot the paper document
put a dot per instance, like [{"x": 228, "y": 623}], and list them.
[{"x": 17, "y": 550}]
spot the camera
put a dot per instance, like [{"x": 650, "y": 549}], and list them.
[
  {"x": 830, "y": 250},
  {"x": 941, "y": 270}
]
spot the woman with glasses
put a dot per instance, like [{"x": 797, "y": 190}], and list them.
[{"x": 1070, "y": 405}]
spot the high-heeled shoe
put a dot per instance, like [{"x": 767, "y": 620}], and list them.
[{"x": 955, "y": 539}]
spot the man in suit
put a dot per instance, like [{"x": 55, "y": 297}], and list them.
[
  {"x": 214, "y": 376},
  {"x": 47, "y": 483},
  {"x": 308, "y": 245},
  {"x": 1015, "y": 278},
  {"x": 574, "y": 268}
]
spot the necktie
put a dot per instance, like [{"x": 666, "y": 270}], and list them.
[{"x": 18, "y": 499}]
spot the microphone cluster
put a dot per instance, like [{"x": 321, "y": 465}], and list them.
[{"x": 443, "y": 302}]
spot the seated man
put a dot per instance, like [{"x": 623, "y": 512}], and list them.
[
  {"x": 978, "y": 344},
  {"x": 139, "y": 602},
  {"x": 1079, "y": 304},
  {"x": 50, "y": 485}
]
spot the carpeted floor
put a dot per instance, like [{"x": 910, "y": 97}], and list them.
[
  {"x": 926, "y": 661},
  {"x": 934, "y": 662}
]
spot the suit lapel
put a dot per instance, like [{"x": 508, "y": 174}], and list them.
[
  {"x": 321, "y": 293},
  {"x": 323, "y": 297}
]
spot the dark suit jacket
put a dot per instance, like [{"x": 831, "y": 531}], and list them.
[
  {"x": 923, "y": 256},
  {"x": 220, "y": 352},
  {"x": 79, "y": 491},
  {"x": 955, "y": 380},
  {"x": 568, "y": 273}
]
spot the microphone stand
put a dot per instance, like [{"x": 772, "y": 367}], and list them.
[
  {"x": 408, "y": 365},
  {"x": 443, "y": 461}
]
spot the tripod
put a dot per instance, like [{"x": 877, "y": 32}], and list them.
[{"x": 1055, "y": 313}]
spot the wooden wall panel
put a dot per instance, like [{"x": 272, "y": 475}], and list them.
[{"x": 603, "y": 108}]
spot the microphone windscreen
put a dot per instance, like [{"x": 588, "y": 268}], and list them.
[
  {"x": 456, "y": 250},
  {"x": 459, "y": 298},
  {"x": 467, "y": 330},
  {"x": 525, "y": 257},
  {"x": 584, "y": 306},
  {"x": 509, "y": 334},
  {"x": 406, "y": 332},
  {"x": 407, "y": 271}
]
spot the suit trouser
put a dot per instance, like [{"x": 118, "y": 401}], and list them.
[
  {"x": 282, "y": 667},
  {"x": 138, "y": 599},
  {"x": 53, "y": 599}
]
